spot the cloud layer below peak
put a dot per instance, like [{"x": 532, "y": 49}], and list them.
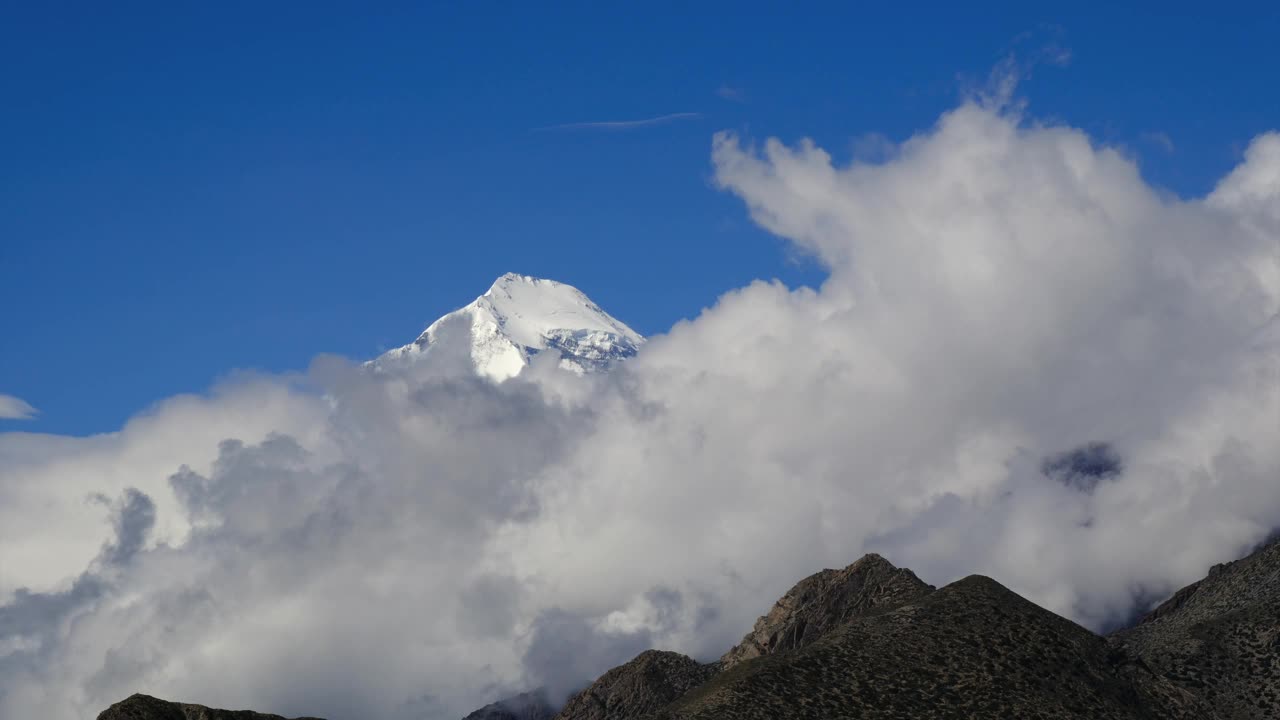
[{"x": 1025, "y": 362}]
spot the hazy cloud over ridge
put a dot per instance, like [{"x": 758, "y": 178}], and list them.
[{"x": 415, "y": 544}]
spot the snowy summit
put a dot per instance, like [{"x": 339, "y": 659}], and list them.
[{"x": 521, "y": 316}]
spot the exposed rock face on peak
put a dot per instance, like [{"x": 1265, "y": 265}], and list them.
[
  {"x": 642, "y": 686},
  {"x": 973, "y": 649},
  {"x": 145, "y": 707},
  {"x": 1220, "y": 637},
  {"x": 525, "y": 706},
  {"x": 520, "y": 317},
  {"x": 813, "y": 607},
  {"x": 826, "y": 600}
]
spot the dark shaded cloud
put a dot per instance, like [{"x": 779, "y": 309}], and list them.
[
  {"x": 1082, "y": 468},
  {"x": 31, "y": 622},
  {"x": 567, "y": 651}
]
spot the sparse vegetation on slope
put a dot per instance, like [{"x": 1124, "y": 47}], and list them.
[
  {"x": 644, "y": 685},
  {"x": 826, "y": 600},
  {"x": 1220, "y": 637},
  {"x": 971, "y": 649}
]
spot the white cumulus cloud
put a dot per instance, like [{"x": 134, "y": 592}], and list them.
[{"x": 1025, "y": 362}]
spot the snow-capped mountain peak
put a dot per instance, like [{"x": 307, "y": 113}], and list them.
[{"x": 521, "y": 316}]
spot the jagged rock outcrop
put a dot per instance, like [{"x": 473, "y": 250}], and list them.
[
  {"x": 642, "y": 686},
  {"x": 525, "y": 706},
  {"x": 813, "y": 606},
  {"x": 145, "y": 707},
  {"x": 1220, "y": 637},
  {"x": 825, "y": 600},
  {"x": 971, "y": 649}
]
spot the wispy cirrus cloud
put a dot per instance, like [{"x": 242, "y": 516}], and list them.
[
  {"x": 624, "y": 124},
  {"x": 1158, "y": 139},
  {"x": 732, "y": 94},
  {"x": 15, "y": 408}
]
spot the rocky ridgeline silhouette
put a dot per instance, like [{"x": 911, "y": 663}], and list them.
[{"x": 873, "y": 641}]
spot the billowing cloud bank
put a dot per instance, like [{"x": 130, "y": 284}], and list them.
[{"x": 1026, "y": 362}]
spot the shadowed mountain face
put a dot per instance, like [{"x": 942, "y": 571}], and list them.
[
  {"x": 145, "y": 707},
  {"x": 804, "y": 614},
  {"x": 971, "y": 649},
  {"x": 644, "y": 685},
  {"x": 525, "y": 706},
  {"x": 1220, "y": 637},
  {"x": 823, "y": 601}
]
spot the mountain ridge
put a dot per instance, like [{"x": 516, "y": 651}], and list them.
[
  {"x": 888, "y": 645},
  {"x": 972, "y": 648},
  {"x": 146, "y": 707},
  {"x": 1220, "y": 636},
  {"x": 826, "y": 598}
]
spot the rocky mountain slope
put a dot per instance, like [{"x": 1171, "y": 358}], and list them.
[
  {"x": 823, "y": 601},
  {"x": 645, "y": 685},
  {"x": 532, "y": 705},
  {"x": 817, "y": 603},
  {"x": 970, "y": 649},
  {"x": 1220, "y": 637},
  {"x": 872, "y": 641},
  {"x": 145, "y": 707}
]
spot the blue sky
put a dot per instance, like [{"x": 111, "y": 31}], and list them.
[{"x": 189, "y": 191}]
